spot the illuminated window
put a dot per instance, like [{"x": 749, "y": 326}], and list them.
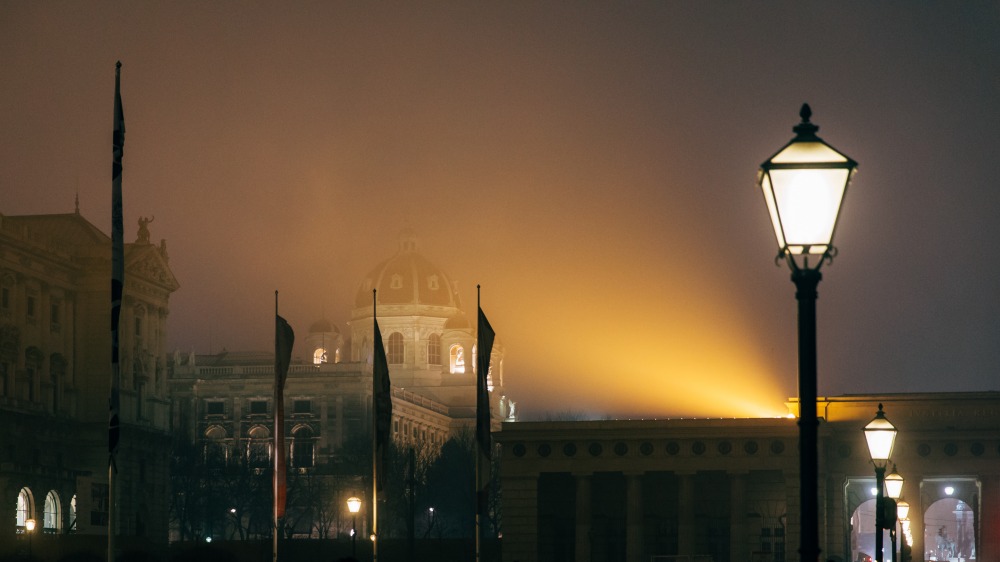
[
  {"x": 434, "y": 350},
  {"x": 51, "y": 520},
  {"x": 394, "y": 352},
  {"x": 72, "y": 513},
  {"x": 23, "y": 509},
  {"x": 457, "y": 355},
  {"x": 319, "y": 356},
  {"x": 336, "y": 355}
]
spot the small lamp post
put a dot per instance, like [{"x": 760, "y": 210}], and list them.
[
  {"x": 893, "y": 489},
  {"x": 29, "y": 527},
  {"x": 354, "y": 506},
  {"x": 880, "y": 435},
  {"x": 804, "y": 185}
]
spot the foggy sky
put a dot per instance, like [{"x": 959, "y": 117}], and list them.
[{"x": 591, "y": 165}]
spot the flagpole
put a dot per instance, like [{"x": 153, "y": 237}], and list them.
[
  {"x": 478, "y": 477},
  {"x": 117, "y": 288},
  {"x": 374, "y": 439},
  {"x": 278, "y": 428}
]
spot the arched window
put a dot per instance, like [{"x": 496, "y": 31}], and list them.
[
  {"x": 24, "y": 509},
  {"x": 52, "y": 514},
  {"x": 457, "y": 358},
  {"x": 216, "y": 451},
  {"x": 434, "y": 350},
  {"x": 72, "y": 513},
  {"x": 259, "y": 447},
  {"x": 302, "y": 447},
  {"x": 319, "y": 356},
  {"x": 336, "y": 355},
  {"x": 394, "y": 353}
]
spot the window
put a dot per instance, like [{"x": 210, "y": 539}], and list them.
[
  {"x": 215, "y": 408},
  {"x": 99, "y": 504},
  {"x": 216, "y": 452},
  {"x": 259, "y": 447},
  {"x": 319, "y": 356},
  {"x": 302, "y": 407},
  {"x": 72, "y": 513},
  {"x": 258, "y": 407},
  {"x": 457, "y": 355},
  {"x": 23, "y": 509},
  {"x": 396, "y": 282},
  {"x": 434, "y": 350},
  {"x": 55, "y": 317},
  {"x": 5, "y": 298},
  {"x": 51, "y": 515},
  {"x": 138, "y": 327},
  {"x": 30, "y": 308},
  {"x": 302, "y": 447},
  {"x": 395, "y": 349}
]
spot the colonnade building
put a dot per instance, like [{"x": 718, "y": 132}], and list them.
[{"x": 727, "y": 490}]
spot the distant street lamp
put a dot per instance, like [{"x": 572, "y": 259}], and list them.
[
  {"x": 354, "y": 506},
  {"x": 29, "y": 527},
  {"x": 804, "y": 185},
  {"x": 893, "y": 489},
  {"x": 902, "y": 514},
  {"x": 880, "y": 435}
]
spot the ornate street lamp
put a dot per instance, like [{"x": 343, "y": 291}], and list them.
[
  {"x": 354, "y": 506},
  {"x": 880, "y": 435},
  {"x": 804, "y": 185}
]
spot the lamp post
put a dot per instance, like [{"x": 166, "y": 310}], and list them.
[
  {"x": 804, "y": 185},
  {"x": 893, "y": 489},
  {"x": 880, "y": 435},
  {"x": 29, "y": 528},
  {"x": 902, "y": 514},
  {"x": 354, "y": 506}
]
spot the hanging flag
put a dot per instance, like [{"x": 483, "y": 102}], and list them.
[
  {"x": 117, "y": 266},
  {"x": 484, "y": 347},
  {"x": 284, "y": 338},
  {"x": 383, "y": 407}
]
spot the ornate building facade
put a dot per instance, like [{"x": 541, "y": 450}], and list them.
[
  {"x": 224, "y": 402},
  {"x": 727, "y": 490},
  {"x": 55, "y": 364}
]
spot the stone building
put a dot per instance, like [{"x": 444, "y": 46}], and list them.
[
  {"x": 224, "y": 402},
  {"x": 55, "y": 363},
  {"x": 727, "y": 490}
]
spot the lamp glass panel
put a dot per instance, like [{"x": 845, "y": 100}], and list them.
[
  {"x": 772, "y": 208},
  {"x": 902, "y": 510},
  {"x": 880, "y": 443},
  {"x": 807, "y": 202},
  {"x": 808, "y": 153},
  {"x": 894, "y": 485},
  {"x": 354, "y": 505}
]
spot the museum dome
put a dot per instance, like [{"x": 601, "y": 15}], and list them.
[
  {"x": 407, "y": 278},
  {"x": 323, "y": 326}
]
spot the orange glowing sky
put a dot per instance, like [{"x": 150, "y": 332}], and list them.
[{"x": 591, "y": 165}]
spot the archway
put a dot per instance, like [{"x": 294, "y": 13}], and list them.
[
  {"x": 949, "y": 530},
  {"x": 863, "y": 534}
]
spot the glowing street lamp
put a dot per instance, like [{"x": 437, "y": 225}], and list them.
[
  {"x": 880, "y": 435},
  {"x": 29, "y": 527},
  {"x": 354, "y": 506},
  {"x": 893, "y": 489},
  {"x": 804, "y": 185}
]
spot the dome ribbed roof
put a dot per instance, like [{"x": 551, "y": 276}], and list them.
[
  {"x": 323, "y": 325},
  {"x": 407, "y": 278}
]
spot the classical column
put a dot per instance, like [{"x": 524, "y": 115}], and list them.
[
  {"x": 685, "y": 514},
  {"x": 633, "y": 518},
  {"x": 738, "y": 543},
  {"x": 583, "y": 517}
]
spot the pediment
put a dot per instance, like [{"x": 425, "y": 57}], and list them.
[{"x": 146, "y": 262}]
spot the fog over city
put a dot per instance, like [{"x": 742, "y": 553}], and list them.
[{"x": 591, "y": 165}]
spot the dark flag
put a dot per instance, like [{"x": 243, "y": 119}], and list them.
[
  {"x": 383, "y": 407},
  {"x": 284, "y": 338},
  {"x": 484, "y": 347},
  {"x": 117, "y": 266}
]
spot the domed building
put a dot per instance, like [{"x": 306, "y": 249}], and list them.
[{"x": 223, "y": 402}]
